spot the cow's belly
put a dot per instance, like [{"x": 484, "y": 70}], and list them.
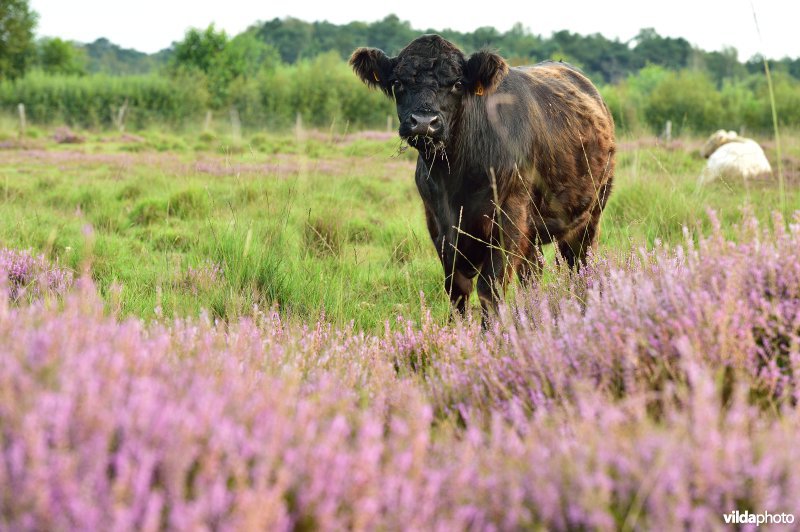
[{"x": 551, "y": 217}]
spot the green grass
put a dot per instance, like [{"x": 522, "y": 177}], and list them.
[{"x": 311, "y": 224}]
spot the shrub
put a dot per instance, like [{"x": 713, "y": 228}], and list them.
[
  {"x": 94, "y": 101},
  {"x": 689, "y": 99},
  {"x": 148, "y": 211},
  {"x": 323, "y": 236},
  {"x": 191, "y": 203},
  {"x": 24, "y": 276}
]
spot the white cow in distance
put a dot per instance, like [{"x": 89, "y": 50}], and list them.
[{"x": 733, "y": 157}]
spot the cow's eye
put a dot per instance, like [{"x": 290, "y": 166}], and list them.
[
  {"x": 457, "y": 86},
  {"x": 397, "y": 86}
]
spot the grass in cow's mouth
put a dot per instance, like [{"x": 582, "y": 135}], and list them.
[
  {"x": 402, "y": 147},
  {"x": 430, "y": 148}
]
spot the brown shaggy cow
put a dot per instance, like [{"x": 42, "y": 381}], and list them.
[{"x": 509, "y": 158}]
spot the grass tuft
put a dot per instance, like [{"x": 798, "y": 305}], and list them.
[{"x": 323, "y": 236}]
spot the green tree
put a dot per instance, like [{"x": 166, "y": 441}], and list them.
[
  {"x": 723, "y": 65},
  {"x": 208, "y": 56},
  {"x": 485, "y": 37},
  {"x": 520, "y": 46},
  {"x": 198, "y": 49},
  {"x": 105, "y": 56},
  {"x": 56, "y": 56},
  {"x": 342, "y": 39},
  {"x": 243, "y": 58},
  {"x": 195, "y": 60},
  {"x": 390, "y": 34},
  {"x": 292, "y": 37},
  {"x": 17, "y": 21},
  {"x": 665, "y": 51},
  {"x": 245, "y": 55}
]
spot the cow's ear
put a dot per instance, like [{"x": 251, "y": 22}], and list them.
[
  {"x": 373, "y": 66},
  {"x": 484, "y": 71}
]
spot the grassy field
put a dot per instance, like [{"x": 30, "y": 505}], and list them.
[{"x": 313, "y": 222}]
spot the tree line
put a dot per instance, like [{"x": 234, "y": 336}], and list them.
[
  {"x": 277, "y": 70},
  {"x": 292, "y": 40},
  {"x": 606, "y": 60}
]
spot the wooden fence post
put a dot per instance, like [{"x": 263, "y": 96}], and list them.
[
  {"x": 207, "y": 122},
  {"x": 299, "y": 132},
  {"x": 22, "y": 124},
  {"x": 236, "y": 126},
  {"x": 119, "y": 118}
]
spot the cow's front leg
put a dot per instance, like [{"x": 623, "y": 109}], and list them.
[
  {"x": 509, "y": 247},
  {"x": 458, "y": 287}
]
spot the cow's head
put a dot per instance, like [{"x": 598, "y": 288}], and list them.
[
  {"x": 716, "y": 140},
  {"x": 428, "y": 81}
]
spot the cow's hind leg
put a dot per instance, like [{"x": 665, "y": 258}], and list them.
[
  {"x": 576, "y": 245},
  {"x": 530, "y": 268}
]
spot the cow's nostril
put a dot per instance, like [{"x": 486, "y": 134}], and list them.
[{"x": 424, "y": 125}]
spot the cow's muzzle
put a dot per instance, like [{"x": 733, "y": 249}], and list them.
[{"x": 427, "y": 126}]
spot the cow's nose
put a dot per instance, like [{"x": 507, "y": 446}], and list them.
[{"x": 424, "y": 125}]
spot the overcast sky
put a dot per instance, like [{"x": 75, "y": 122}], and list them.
[{"x": 150, "y": 25}]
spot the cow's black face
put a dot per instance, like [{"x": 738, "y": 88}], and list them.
[{"x": 428, "y": 81}]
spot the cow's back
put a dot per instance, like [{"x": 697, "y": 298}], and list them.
[
  {"x": 572, "y": 143},
  {"x": 548, "y": 115},
  {"x": 572, "y": 123},
  {"x": 563, "y": 76}
]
